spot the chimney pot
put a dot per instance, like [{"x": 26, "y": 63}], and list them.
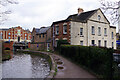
[{"x": 80, "y": 10}]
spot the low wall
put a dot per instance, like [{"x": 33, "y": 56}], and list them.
[{"x": 51, "y": 61}]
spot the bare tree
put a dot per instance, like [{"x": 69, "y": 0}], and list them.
[
  {"x": 111, "y": 7},
  {"x": 3, "y": 11}
]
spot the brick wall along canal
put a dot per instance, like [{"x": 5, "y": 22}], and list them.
[{"x": 25, "y": 66}]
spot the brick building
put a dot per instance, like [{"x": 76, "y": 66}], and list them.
[
  {"x": 89, "y": 28},
  {"x": 40, "y": 38},
  {"x": 15, "y": 34}
]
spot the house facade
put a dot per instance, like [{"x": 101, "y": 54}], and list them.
[
  {"x": 119, "y": 18},
  {"x": 85, "y": 28},
  {"x": 15, "y": 34},
  {"x": 40, "y": 37}
]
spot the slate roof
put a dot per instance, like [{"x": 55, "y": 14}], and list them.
[
  {"x": 37, "y": 30},
  {"x": 81, "y": 17},
  {"x": 43, "y": 30},
  {"x": 4, "y": 29}
]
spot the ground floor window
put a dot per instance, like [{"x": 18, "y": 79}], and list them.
[
  {"x": 93, "y": 42},
  {"x": 81, "y": 43},
  {"x": 112, "y": 45},
  {"x": 99, "y": 42},
  {"x": 56, "y": 43},
  {"x": 105, "y": 43}
]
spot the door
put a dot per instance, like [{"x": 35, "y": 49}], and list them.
[{"x": 18, "y": 39}]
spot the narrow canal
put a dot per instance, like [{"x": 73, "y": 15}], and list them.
[{"x": 25, "y": 66}]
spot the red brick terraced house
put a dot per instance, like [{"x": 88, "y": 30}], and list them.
[{"x": 15, "y": 34}]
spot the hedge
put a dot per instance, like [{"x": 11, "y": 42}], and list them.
[{"x": 98, "y": 60}]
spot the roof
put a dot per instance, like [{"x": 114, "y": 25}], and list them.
[
  {"x": 37, "y": 30},
  {"x": 43, "y": 30},
  {"x": 4, "y": 29},
  {"x": 81, "y": 17}
]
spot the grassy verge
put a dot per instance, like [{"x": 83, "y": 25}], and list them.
[{"x": 6, "y": 55}]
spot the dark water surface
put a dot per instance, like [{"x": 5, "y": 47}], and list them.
[{"x": 25, "y": 66}]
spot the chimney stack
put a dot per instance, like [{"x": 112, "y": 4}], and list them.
[{"x": 80, "y": 10}]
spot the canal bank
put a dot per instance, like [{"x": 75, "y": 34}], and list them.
[
  {"x": 64, "y": 68},
  {"x": 48, "y": 56}
]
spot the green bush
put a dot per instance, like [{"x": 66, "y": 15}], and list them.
[{"x": 94, "y": 58}]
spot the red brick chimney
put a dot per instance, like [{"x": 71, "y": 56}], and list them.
[{"x": 80, "y": 10}]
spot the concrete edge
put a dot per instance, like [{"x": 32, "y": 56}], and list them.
[{"x": 53, "y": 67}]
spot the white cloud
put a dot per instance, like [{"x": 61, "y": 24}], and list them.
[{"x": 37, "y": 13}]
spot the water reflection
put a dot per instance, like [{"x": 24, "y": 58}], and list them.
[{"x": 25, "y": 66}]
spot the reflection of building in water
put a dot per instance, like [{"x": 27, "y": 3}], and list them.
[{"x": 16, "y": 34}]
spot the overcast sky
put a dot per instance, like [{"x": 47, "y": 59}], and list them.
[{"x": 38, "y": 13}]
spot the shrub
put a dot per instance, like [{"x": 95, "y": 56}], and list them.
[{"x": 97, "y": 59}]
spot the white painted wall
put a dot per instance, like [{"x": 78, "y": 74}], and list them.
[
  {"x": 119, "y": 19},
  {"x": 87, "y": 29}
]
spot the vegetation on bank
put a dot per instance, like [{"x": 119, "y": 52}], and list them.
[
  {"x": 94, "y": 59},
  {"x": 6, "y": 55}
]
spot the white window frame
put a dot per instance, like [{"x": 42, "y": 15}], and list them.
[
  {"x": 93, "y": 30},
  {"x": 105, "y": 43},
  {"x": 64, "y": 29},
  {"x": 57, "y": 30},
  {"x": 105, "y": 31},
  {"x": 99, "y": 17},
  {"x": 99, "y": 42},
  {"x": 81, "y": 43},
  {"x": 112, "y": 44},
  {"x": 9, "y": 33},
  {"x": 112, "y": 35},
  {"x": 99, "y": 31},
  {"x": 81, "y": 31}
]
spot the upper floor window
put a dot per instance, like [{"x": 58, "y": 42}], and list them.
[
  {"x": 105, "y": 31},
  {"x": 99, "y": 17},
  {"x": 93, "y": 30},
  {"x": 1, "y": 33},
  {"x": 99, "y": 31},
  {"x": 43, "y": 35},
  {"x": 57, "y": 30},
  {"x": 25, "y": 34},
  {"x": 40, "y": 36},
  {"x": 64, "y": 29},
  {"x": 81, "y": 31},
  {"x": 9, "y": 33},
  {"x": 112, "y": 35}
]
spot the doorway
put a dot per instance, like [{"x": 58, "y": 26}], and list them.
[{"x": 18, "y": 39}]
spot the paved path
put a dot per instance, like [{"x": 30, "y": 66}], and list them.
[{"x": 70, "y": 70}]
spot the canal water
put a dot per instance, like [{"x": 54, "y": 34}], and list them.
[{"x": 25, "y": 66}]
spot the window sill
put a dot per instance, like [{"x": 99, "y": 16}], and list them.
[
  {"x": 81, "y": 36},
  {"x": 105, "y": 35},
  {"x": 64, "y": 33}
]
